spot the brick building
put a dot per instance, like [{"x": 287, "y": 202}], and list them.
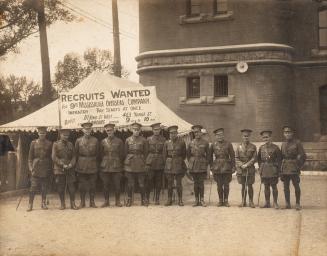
[{"x": 189, "y": 50}]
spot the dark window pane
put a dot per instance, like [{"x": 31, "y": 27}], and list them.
[
  {"x": 323, "y": 18},
  {"x": 221, "y": 86},
  {"x": 193, "y": 87},
  {"x": 193, "y": 7},
  {"x": 220, "y": 6},
  {"x": 323, "y": 37}
]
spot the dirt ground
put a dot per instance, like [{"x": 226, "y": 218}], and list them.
[{"x": 160, "y": 230}]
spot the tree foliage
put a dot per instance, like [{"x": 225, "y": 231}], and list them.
[
  {"x": 74, "y": 67},
  {"x": 18, "y": 20}
]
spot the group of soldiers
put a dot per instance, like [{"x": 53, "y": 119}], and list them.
[{"x": 146, "y": 161}]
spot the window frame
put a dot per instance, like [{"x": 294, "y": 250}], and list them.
[
  {"x": 216, "y": 86},
  {"x": 215, "y": 8},
  {"x": 188, "y": 91},
  {"x": 189, "y": 9},
  {"x": 322, "y": 9}
]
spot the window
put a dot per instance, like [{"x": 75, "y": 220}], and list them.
[
  {"x": 322, "y": 29},
  {"x": 219, "y": 6},
  {"x": 193, "y": 7},
  {"x": 193, "y": 87},
  {"x": 221, "y": 86}
]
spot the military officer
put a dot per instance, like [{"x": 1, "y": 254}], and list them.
[
  {"x": 40, "y": 166},
  {"x": 111, "y": 167},
  {"x": 269, "y": 160},
  {"x": 198, "y": 156},
  {"x": 155, "y": 161},
  {"x": 245, "y": 157},
  {"x": 223, "y": 166},
  {"x": 136, "y": 150},
  {"x": 87, "y": 150},
  {"x": 174, "y": 153},
  {"x": 293, "y": 158},
  {"x": 63, "y": 157}
]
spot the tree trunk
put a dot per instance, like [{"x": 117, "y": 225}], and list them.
[
  {"x": 115, "y": 23},
  {"x": 46, "y": 78}
]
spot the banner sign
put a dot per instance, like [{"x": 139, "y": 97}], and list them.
[{"x": 121, "y": 106}]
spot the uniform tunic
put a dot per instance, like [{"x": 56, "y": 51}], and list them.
[
  {"x": 87, "y": 149},
  {"x": 224, "y": 157},
  {"x": 246, "y": 154},
  {"x": 63, "y": 153},
  {"x": 269, "y": 160},
  {"x": 198, "y": 156},
  {"x": 174, "y": 153},
  {"x": 293, "y": 157},
  {"x": 155, "y": 160},
  {"x": 112, "y": 152},
  {"x": 136, "y": 149},
  {"x": 39, "y": 158}
]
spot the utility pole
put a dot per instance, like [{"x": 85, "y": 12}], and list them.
[
  {"x": 46, "y": 78},
  {"x": 115, "y": 23}
]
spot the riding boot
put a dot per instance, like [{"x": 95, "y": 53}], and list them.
[
  {"x": 180, "y": 197},
  {"x": 250, "y": 190},
  {"x": 144, "y": 197},
  {"x": 275, "y": 196},
  {"x": 170, "y": 197},
  {"x": 72, "y": 202},
  {"x": 62, "y": 201},
  {"x": 298, "y": 197},
  {"x": 106, "y": 199},
  {"x": 243, "y": 191},
  {"x": 267, "y": 197},
  {"x": 287, "y": 199},
  {"x": 30, "y": 202},
  {"x": 92, "y": 203},
  {"x": 202, "y": 203},
  {"x": 196, "y": 194},
  {"x": 44, "y": 201},
  {"x": 157, "y": 198},
  {"x": 117, "y": 199},
  {"x": 221, "y": 197},
  {"x": 226, "y": 193},
  {"x": 82, "y": 204}
]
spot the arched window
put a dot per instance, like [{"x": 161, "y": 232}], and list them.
[{"x": 322, "y": 28}]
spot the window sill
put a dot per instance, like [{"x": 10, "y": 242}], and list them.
[
  {"x": 319, "y": 52},
  {"x": 205, "y": 17},
  {"x": 208, "y": 100}
]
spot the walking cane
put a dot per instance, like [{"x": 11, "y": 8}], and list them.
[
  {"x": 210, "y": 187},
  {"x": 246, "y": 187},
  {"x": 20, "y": 199},
  {"x": 125, "y": 188},
  {"x": 259, "y": 193}
]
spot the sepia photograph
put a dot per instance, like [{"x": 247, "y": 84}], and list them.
[{"x": 163, "y": 127}]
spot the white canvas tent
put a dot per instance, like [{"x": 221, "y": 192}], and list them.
[{"x": 49, "y": 114}]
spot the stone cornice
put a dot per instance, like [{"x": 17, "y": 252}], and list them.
[{"x": 215, "y": 56}]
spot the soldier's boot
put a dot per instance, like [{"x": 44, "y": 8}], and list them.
[
  {"x": 117, "y": 199},
  {"x": 298, "y": 197},
  {"x": 44, "y": 202},
  {"x": 82, "y": 204},
  {"x": 267, "y": 197},
  {"x": 30, "y": 202},
  {"x": 157, "y": 199},
  {"x": 180, "y": 197},
  {"x": 196, "y": 194},
  {"x": 251, "y": 204},
  {"x": 275, "y": 196},
  {"x": 170, "y": 198},
  {"x": 226, "y": 194},
  {"x": 287, "y": 199},
  {"x": 72, "y": 202},
  {"x": 221, "y": 197},
  {"x": 106, "y": 200},
  {"x": 243, "y": 191},
  {"x": 144, "y": 197},
  {"x": 202, "y": 203},
  {"x": 62, "y": 201},
  {"x": 92, "y": 203},
  {"x": 129, "y": 197}
]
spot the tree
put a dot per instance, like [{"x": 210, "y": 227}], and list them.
[
  {"x": 74, "y": 67},
  {"x": 18, "y": 20}
]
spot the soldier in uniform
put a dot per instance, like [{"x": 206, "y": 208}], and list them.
[
  {"x": 174, "y": 153},
  {"x": 245, "y": 157},
  {"x": 155, "y": 162},
  {"x": 112, "y": 157},
  {"x": 136, "y": 150},
  {"x": 63, "y": 157},
  {"x": 269, "y": 160},
  {"x": 293, "y": 158},
  {"x": 40, "y": 166},
  {"x": 223, "y": 166},
  {"x": 198, "y": 156},
  {"x": 87, "y": 149}
]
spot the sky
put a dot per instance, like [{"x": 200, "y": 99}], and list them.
[{"x": 92, "y": 28}]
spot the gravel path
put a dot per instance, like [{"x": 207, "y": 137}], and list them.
[{"x": 159, "y": 230}]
